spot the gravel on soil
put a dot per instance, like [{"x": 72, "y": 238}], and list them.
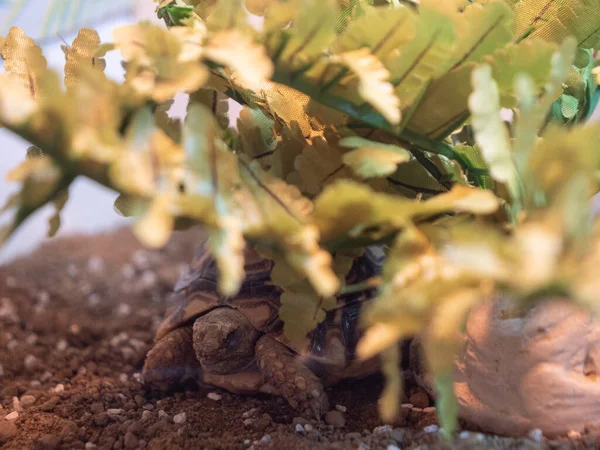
[{"x": 76, "y": 320}]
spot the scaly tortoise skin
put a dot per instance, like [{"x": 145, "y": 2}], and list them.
[{"x": 238, "y": 343}]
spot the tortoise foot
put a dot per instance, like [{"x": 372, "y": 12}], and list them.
[
  {"x": 172, "y": 361},
  {"x": 282, "y": 369}
]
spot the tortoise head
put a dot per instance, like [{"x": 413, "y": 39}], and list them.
[{"x": 224, "y": 341}]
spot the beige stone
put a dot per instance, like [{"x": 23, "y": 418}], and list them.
[{"x": 538, "y": 370}]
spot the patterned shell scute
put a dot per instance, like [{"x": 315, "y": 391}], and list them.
[{"x": 196, "y": 293}]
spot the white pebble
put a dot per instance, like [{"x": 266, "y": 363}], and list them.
[
  {"x": 17, "y": 404},
  {"x": 61, "y": 345},
  {"x": 46, "y": 376},
  {"x": 119, "y": 339},
  {"x": 123, "y": 378},
  {"x": 179, "y": 418},
  {"x": 464, "y": 435},
  {"x": 30, "y": 362},
  {"x": 123, "y": 310},
  {"x": 341, "y": 408},
  {"x": 429, "y": 410},
  {"x": 128, "y": 272},
  {"x": 59, "y": 389},
  {"x": 8, "y": 310},
  {"x": 114, "y": 411},
  {"x": 214, "y": 396},
  {"x": 128, "y": 353},
  {"x": 382, "y": 429},
  {"x": 431, "y": 429},
  {"x": 250, "y": 413},
  {"x": 536, "y": 435},
  {"x": 299, "y": 428},
  {"x": 248, "y": 422},
  {"x": 574, "y": 434},
  {"x": 72, "y": 270},
  {"x": 12, "y": 416},
  {"x": 95, "y": 264},
  {"x": 162, "y": 414},
  {"x": 140, "y": 259},
  {"x": 94, "y": 299},
  {"x": 31, "y": 339},
  {"x": 146, "y": 414},
  {"x": 35, "y": 383},
  {"x": 148, "y": 279},
  {"x": 246, "y": 441},
  {"x": 308, "y": 427},
  {"x": 90, "y": 445},
  {"x": 138, "y": 377},
  {"x": 27, "y": 400},
  {"x": 393, "y": 447},
  {"x": 43, "y": 298},
  {"x": 138, "y": 345},
  {"x": 265, "y": 439}
]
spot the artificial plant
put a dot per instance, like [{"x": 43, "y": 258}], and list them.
[{"x": 362, "y": 123}]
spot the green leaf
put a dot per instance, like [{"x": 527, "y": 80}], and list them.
[
  {"x": 446, "y": 404},
  {"x": 373, "y": 82},
  {"x": 317, "y": 166},
  {"x": 555, "y": 21},
  {"x": 381, "y": 30},
  {"x": 391, "y": 396},
  {"x": 421, "y": 59},
  {"x": 353, "y": 210},
  {"x": 248, "y": 60},
  {"x": 372, "y": 159},
  {"x": 59, "y": 203},
  {"x": 491, "y": 133},
  {"x": 533, "y": 110},
  {"x": 176, "y": 13},
  {"x": 312, "y": 30},
  {"x": 302, "y": 310},
  {"x": 481, "y": 29},
  {"x": 278, "y": 213},
  {"x": 212, "y": 175}
]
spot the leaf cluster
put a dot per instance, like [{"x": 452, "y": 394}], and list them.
[{"x": 362, "y": 123}]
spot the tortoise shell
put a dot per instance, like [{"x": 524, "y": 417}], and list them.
[{"x": 332, "y": 342}]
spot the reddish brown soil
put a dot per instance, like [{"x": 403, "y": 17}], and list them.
[{"x": 76, "y": 320}]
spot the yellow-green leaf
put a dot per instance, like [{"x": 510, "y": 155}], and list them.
[
  {"x": 244, "y": 57},
  {"x": 82, "y": 52},
  {"x": 490, "y": 132},
  {"x": 372, "y": 159},
  {"x": 373, "y": 82},
  {"x": 212, "y": 174},
  {"x": 23, "y": 60}
]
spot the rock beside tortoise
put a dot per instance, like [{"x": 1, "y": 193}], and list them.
[{"x": 521, "y": 373}]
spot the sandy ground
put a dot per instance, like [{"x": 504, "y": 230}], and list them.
[{"x": 76, "y": 320}]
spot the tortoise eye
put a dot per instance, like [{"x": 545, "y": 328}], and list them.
[{"x": 233, "y": 339}]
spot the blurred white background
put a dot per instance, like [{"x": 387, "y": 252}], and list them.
[{"x": 90, "y": 207}]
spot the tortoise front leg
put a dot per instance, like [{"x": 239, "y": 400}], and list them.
[
  {"x": 172, "y": 361},
  {"x": 302, "y": 389}
]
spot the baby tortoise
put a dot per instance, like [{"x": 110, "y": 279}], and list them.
[{"x": 238, "y": 343}]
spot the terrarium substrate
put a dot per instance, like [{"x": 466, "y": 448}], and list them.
[{"x": 76, "y": 320}]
